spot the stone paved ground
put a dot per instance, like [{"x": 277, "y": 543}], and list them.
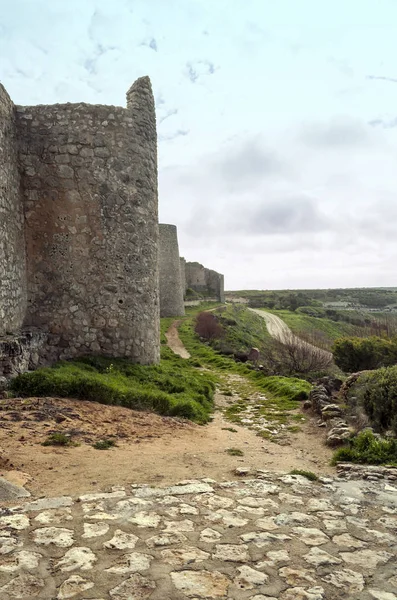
[{"x": 273, "y": 536}]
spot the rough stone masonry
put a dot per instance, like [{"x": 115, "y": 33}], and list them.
[
  {"x": 171, "y": 285},
  {"x": 79, "y": 226},
  {"x": 204, "y": 281}
]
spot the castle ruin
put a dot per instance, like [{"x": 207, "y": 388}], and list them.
[
  {"x": 204, "y": 281},
  {"x": 79, "y": 228}
]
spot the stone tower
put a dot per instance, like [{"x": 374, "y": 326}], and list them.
[
  {"x": 85, "y": 178},
  {"x": 171, "y": 287}
]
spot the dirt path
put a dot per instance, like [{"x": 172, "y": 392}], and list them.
[
  {"x": 151, "y": 448},
  {"x": 281, "y": 332},
  {"x": 174, "y": 341}
]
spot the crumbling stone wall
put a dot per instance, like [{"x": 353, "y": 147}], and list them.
[
  {"x": 171, "y": 290},
  {"x": 12, "y": 244},
  {"x": 204, "y": 281},
  {"x": 89, "y": 189}
]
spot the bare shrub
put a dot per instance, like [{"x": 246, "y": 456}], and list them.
[
  {"x": 207, "y": 326},
  {"x": 293, "y": 355}
]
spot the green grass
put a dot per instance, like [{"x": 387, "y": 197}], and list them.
[
  {"x": 366, "y": 449},
  {"x": 325, "y": 330},
  {"x": 308, "y": 474},
  {"x": 243, "y": 329},
  {"x": 235, "y": 452},
  {"x": 229, "y": 429},
  {"x": 58, "y": 439},
  {"x": 287, "y": 391},
  {"x": 173, "y": 388},
  {"x": 104, "y": 444}
]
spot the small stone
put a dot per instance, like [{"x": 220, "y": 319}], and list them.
[
  {"x": 9, "y": 544},
  {"x": 95, "y": 530},
  {"x": 103, "y": 496},
  {"x": 317, "y": 504},
  {"x": 258, "y": 502},
  {"x": 368, "y": 559},
  {"x": 77, "y": 558},
  {"x": 146, "y": 519},
  {"x": 166, "y": 539},
  {"x": 293, "y": 518},
  {"x": 54, "y": 516},
  {"x": 379, "y": 595},
  {"x": 58, "y": 536},
  {"x": 248, "y": 578},
  {"x": 213, "y": 501},
  {"x": 132, "y": 563},
  {"x": 21, "y": 560},
  {"x": 121, "y": 541},
  {"x": 318, "y": 557},
  {"x": 73, "y": 586},
  {"x": 201, "y": 584},
  {"x": 350, "y": 581},
  {"x": 183, "y": 556},
  {"x": 291, "y": 499},
  {"x": 335, "y": 525},
  {"x": 48, "y": 503},
  {"x": 135, "y": 587},
  {"x": 209, "y": 536},
  {"x": 18, "y": 522},
  {"x": 267, "y": 524},
  {"x": 296, "y": 577},
  {"x": 299, "y": 593},
  {"x": 176, "y": 526},
  {"x": 24, "y": 586},
  {"x": 311, "y": 537},
  {"x": 347, "y": 541},
  {"x": 232, "y": 552}
]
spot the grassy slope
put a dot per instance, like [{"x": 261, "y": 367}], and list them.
[
  {"x": 174, "y": 387},
  {"x": 285, "y": 391},
  {"x": 326, "y": 330},
  {"x": 249, "y": 330}
]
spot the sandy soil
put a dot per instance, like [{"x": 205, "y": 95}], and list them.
[{"x": 150, "y": 448}]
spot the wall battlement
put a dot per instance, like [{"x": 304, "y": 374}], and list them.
[{"x": 85, "y": 177}]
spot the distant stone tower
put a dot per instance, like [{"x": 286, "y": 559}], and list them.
[
  {"x": 171, "y": 287},
  {"x": 204, "y": 281},
  {"x": 85, "y": 177}
]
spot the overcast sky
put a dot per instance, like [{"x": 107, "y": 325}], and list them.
[{"x": 277, "y": 122}]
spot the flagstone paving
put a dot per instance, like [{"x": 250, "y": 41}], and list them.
[{"x": 273, "y": 536}]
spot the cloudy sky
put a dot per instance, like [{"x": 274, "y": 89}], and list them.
[{"x": 277, "y": 122}]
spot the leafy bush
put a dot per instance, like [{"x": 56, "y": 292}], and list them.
[
  {"x": 359, "y": 354},
  {"x": 368, "y": 449},
  {"x": 173, "y": 387},
  {"x": 58, "y": 439},
  {"x": 380, "y": 398}
]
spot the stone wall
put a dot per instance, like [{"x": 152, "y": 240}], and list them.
[
  {"x": 89, "y": 189},
  {"x": 12, "y": 244},
  {"x": 204, "y": 281},
  {"x": 183, "y": 275},
  {"x": 171, "y": 290}
]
